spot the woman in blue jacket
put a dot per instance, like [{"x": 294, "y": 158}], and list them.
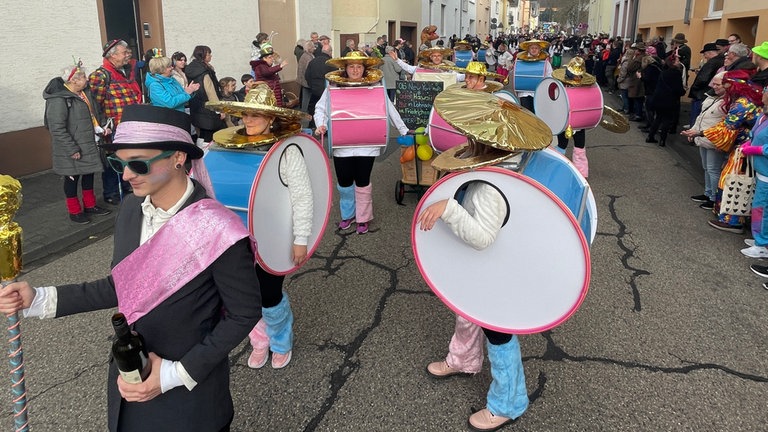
[{"x": 164, "y": 90}]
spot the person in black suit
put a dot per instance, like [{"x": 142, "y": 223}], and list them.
[{"x": 191, "y": 310}]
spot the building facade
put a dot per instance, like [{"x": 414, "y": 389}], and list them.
[{"x": 228, "y": 27}]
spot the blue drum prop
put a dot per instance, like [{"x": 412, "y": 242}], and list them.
[
  {"x": 528, "y": 75},
  {"x": 249, "y": 183},
  {"x": 462, "y": 57},
  {"x": 515, "y": 285},
  {"x": 555, "y": 172},
  {"x": 481, "y": 55},
  {"x": 508, "y": 96}
]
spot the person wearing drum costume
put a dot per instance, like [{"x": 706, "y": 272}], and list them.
[
  {"x": 353, "y": 165},
  {"x": 431, "y": 59},
  {"x": 191, "y": 310},
  {"x": 475, "y": 78},
  {"x": 476, "y": 218},
  {"x": 574, "y": 74},
  {"x": 532, "y": 53},
  {"x": 265, "y": 123}
]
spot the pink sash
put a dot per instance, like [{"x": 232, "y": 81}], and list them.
[{"x": 180, "y": 250}]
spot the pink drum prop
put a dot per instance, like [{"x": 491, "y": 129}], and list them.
[
  {"x": 358, "y": 116},
  {"x": 515, "y": 285},
  {"x": 560, "y": 105}
]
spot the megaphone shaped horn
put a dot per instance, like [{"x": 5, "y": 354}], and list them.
[{"x": 614, "y": 121}]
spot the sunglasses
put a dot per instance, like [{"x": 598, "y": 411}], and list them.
[{"x": 138, "y": 166}]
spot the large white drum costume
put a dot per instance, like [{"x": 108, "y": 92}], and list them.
[
  {"x": 248, "y": 182},
  {"x": 560, "y": 106},
  {"x": 358, "y": 116},
  {"x": 532, "y": 290}
]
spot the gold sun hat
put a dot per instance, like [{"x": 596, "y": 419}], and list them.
[
  {"x": 486, "y": 119},
  {"x": 478, "y": 68},
  {"x": 354, "y": 56},
  {"x": 574, "y": 73},
  {"x": 259, "y": 100},
  {"x": 426, "y": 52},
  {"x": 525, "y": 44},
  {"x": 462, "y": 45},
  {"x": 371, "y": 75}
]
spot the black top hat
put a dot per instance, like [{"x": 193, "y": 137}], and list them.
[
  {"x": 709, "y": 47},
  {"x": 722, "y": 42},
  {"x": 151, "y": 127}
]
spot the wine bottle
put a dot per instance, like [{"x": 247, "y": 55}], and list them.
[{"x": 129, "y": 352}]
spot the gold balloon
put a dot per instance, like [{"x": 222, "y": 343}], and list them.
[{"x": 10, "y": 232}]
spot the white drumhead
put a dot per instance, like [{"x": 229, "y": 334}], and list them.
[
  {"x": 551, "y": 104},
  {"x": 531, "y": 279},
  {"x": 507, "y": 96},
  {"x": 270, "y": 212}
]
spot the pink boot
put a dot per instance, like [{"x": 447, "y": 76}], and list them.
[
  {"x": 363, "y": 207},
  {"x": 260, "y": 344},
  {"x": 580, "y": 161},
  {"x": 465, "y": 352}
]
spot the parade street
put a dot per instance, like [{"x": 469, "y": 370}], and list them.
[{"x": 670, "y": 337}]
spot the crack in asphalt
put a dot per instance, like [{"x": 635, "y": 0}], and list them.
[
  {"x": 74, "y": 377},
  {"x": 629, "y": 252},
  {"x": 554, "y": 353},
  {"x": 349, "y": 363}
]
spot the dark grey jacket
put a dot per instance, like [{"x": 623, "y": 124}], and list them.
[
  {"x": 198, "y": 325},
  {"x": 69, "y": 122}
]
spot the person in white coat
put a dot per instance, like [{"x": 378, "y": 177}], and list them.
[{"x": 353, "y": 165}]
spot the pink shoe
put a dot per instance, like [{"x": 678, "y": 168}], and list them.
[
  {"x": 442, "y": 370},
  {"x": 362, "y": 227},
  {"x": 485, "y": 421},
  {"x": 280, "y": 361},
  {"x": 258, "y": 358},
  {"x": 345, "y": 224}
]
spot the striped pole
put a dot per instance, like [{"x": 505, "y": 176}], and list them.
[{"x": 10, "y": 267}]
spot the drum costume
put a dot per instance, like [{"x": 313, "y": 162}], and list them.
[
  {"x": 476, "y": 215},
  {"x": 354, "y": 163},
  {"x": 529, "y": 70},
  {"x": 274, "y": 332}
]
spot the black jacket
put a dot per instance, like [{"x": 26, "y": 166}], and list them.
[
  {"x": 701, "y": 83},
  {"x": 198, "y": 325},
  {"x": 316, "y": 70},
  {"x": 202, "y": 117}
]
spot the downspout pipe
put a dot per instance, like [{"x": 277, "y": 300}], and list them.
[
  {"x": 687, "y": 13},
  {"x": 378, "y": 17}
]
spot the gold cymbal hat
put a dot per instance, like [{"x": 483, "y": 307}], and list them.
[
  {"x": 425, "y": 53},
  {"x": 462, "y": 45},
  {"x": 372, "y": 75},
  {"x": 478, "y": 68},
  {"x": 574, "y": 73},
  {"x": 354, "y": 56},
  {"x": 486, "y": 119},
  {"x": 525, "y": 44},
  {"x": 259, "y": 100}
]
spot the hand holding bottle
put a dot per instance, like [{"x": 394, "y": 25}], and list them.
[{"x": 145, "y": 390}]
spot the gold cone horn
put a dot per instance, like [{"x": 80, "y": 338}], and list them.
[{"x": 614, "y": 121}]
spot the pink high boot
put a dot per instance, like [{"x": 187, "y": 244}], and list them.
[
  {"x": 465, "y": 352},
  {"x": 363, "y": 207},
  {"x": 260, "y": 344},
  {"x": 580, "y": 161}
]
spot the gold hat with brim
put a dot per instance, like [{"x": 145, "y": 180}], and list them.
[
  {"x": 574, "y": 73},
  {"x": 425, "y": 53},
  {"x": 370, "y": 76},
  {"x": 452, "y": 160},
  {"x": 486, "y": 119},
  {"x": 478, "y": 68},
  {"x": 259, "y": 100},
  {"x": 490, "y": 86},
  {"x": 354, "y": 56},
  {"x": 462, "y": 45},
  {"x": 543, "y": 44}
]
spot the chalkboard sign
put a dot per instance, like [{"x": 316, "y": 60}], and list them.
[{"x": 414, "y": 101}]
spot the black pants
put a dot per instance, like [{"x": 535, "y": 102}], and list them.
[
  {"x": 496, "y": 338},
  {"x": 579, "y": 139},
  {"x": 271, "y": 287},
  {"x": 70, "y": 184},
  {"x": 353, "y": 170},
  {"x": 527, "y": 103}
]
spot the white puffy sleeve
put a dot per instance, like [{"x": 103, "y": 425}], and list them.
[
  {"x": 478, "y": 221},
  {"x": 293, "y": 170}
]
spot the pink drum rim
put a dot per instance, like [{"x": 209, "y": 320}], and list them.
[{"x": 563, "y": 208}]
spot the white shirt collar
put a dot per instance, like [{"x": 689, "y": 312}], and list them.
[{"x": 154, "y": 218}]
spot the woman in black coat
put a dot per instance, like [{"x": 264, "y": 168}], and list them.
[
  {"x": 74, "y": 121},
  {"x": 666, "y": 99}
]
